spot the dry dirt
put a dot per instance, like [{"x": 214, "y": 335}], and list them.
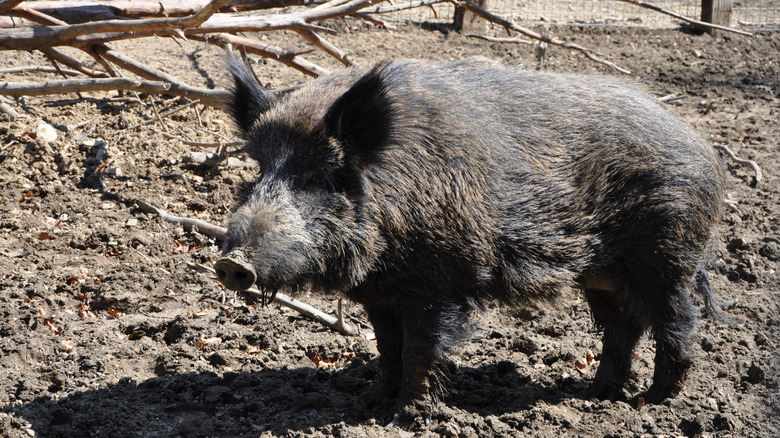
[{"x": 105, "y": 332}]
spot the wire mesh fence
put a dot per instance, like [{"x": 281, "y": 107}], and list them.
[{"x": 753, "y": 15}]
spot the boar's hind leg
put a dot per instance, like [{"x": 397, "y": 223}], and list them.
[
  {"x": 673, "y": 326},
  {"x": 621, "y": 333}
]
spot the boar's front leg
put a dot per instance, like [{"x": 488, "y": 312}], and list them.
[
  {"x": 386, "y": 321},
  {"x": 428, "y": 330}
]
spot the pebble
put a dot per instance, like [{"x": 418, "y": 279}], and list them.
[
  {"x": 755, "y": 374},
  {"x": 45, "y": 131},
  {"x": 30, "y": 432},
  {"x": 771, "y": 250}
]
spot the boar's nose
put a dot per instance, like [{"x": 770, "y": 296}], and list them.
[{"x": 235, "y": 273}]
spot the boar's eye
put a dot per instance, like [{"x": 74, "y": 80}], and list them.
[{"x": 310, "y": 180}]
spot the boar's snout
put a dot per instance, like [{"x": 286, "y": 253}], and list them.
[{"x": 235, "y": 273}]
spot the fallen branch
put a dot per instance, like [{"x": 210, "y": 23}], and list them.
[
  {"x": 80, "y": 35},
  {"x": 684, "y": 18},
  {"x": 499, "y": 40},
  {"x": 286, "y": 57},
  {"x": 214, "y": 98},
  {"x": 84, "y": 34},
  {"x": 401, "y": 7},
  {"x": 204, "y": 227},
  {"x": 81, "y": 11},
  {"x": 39, "y": 69},
  {"x": 337, "y": 324},
  {"x": 590, "y": 54},
  {"x": 326, "y": 46},
  {"x": 743, "y": 162},
  {"x": 8, "y": 4}
]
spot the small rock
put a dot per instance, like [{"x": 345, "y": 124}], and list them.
[
  {"x": 760, "y": 339},
  {"x": 30, "y": 432},
  {"x": 45, "y": 131},
  {"x": 115, "y": 171},
  {"x": 771, "y": 250},
  {"x": 737, "y": 243},
  {"x": 132, "y": 222},
  {"x": 697, "y": 53},
  {"x": 755, "y": 374},
  {"x": 707, "y": 345},
  {"x": 448, "y": 429}
]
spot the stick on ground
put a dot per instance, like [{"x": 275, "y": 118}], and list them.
[
  {"x": 204, "y": 227},
  {"x": 743, "y": 162},
  {"x": 337, "y": 324}
]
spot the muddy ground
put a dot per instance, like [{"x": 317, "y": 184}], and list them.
[{"x": 105, "y": 332}]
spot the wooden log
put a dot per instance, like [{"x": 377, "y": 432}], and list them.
[
  {"x": 716, "y": 12},
  {"x": 467, "y": 21}
]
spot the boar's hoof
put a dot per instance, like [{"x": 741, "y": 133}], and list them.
[
  {"x": 414, "y": 415},
  {"x": 235, "y": 274}
]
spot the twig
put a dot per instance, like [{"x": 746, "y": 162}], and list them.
[
  {"x": 165, "y": 114},
  {"x": 204, "y": 227},
  {"x": 531, "y": 34},
  {"x": 73, "y": 63},
  {"x": 684, "y": 18},
  {"x": 215, "y": 98},
  {"x": 732, "y": 205},
  {"x": 337, "y": 324},
  {"x": 377, "y": 21},
  {"x": 672, "y": 97},
  {"x": 743, "y": 162},
  {"x": 8, "y": 110},
  {"x": 39, "y": 69},
  {"x": 326, "y": 46},
  {"x": 500, "y": 40},
  {"x": 401, "y": 7},
  {"x": 286, "y": 57}
]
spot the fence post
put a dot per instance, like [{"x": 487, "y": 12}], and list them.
[
  {"x": 716, "y": 12},
  {"x": 467, "y": 21}
]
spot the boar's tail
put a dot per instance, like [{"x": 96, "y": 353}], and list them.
[{"x": 712, "y": 307}]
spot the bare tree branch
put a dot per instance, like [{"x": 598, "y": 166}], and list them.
[
  {"x": 499, "y": 40},
  {"x": 684, "y": 18},
  {"x": 327, "y": 46},
  {"x": 8, "y": 4},
  {"x": 83, "y": 11},
  {"x": 590, "y": 54},
  {"x": 742, "y": 161},
  {"x": 47, "y": 36},
  {"x": 286, "y": 57},
  {"x": 214, "y": 98},
  {"x": 204, "y": 227}
]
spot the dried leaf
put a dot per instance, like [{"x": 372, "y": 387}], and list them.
[
  {"x": 590, "y": 357},
  {"x": 49, "y": 323},
  {"x": 202, "y": 342},
  {"x": 45, "y": 235},
  {"x": 639, "y": 403},
  {"x": 68, "y": 344},
  {"x": 580, "y": 365}
]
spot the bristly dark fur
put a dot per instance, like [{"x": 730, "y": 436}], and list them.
[{"x": 421, "y": 190}]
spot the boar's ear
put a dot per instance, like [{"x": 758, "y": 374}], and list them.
[
  {"x": 361, "y": 118},
  {"x": 249, "y": 98}
]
